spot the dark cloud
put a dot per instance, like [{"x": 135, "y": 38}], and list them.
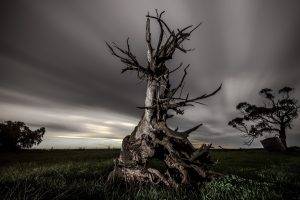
[{"x": 57, "y": 72}]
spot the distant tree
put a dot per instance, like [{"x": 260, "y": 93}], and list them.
[
  {"x": 16, "y": 135},
  {"x": 274, "y": 117}
]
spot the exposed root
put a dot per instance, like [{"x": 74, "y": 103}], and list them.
[{"x": 184, "y": 164}]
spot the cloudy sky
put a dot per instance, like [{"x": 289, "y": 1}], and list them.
[{"x": 57, "y": 72}]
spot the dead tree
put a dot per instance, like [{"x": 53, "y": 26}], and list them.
[{"x": 152, "y": 138}]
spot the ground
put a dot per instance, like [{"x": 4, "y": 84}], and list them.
[{"x": 81, "y": 174}]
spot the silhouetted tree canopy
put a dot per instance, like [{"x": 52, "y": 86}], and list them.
[
  {"x": 277, "y": 113},
  {"x": 16, "y": 135}
]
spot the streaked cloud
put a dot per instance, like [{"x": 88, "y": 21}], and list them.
[{"x": 56, "y": 71}]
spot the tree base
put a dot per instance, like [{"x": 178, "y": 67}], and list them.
[
  {"x": 182, "y": 163},
  {"x": 273, "y": 144}
]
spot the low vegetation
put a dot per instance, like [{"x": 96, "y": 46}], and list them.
[
  {"x": 81, "y": 174},
  {"x": 17, "y": 135}
]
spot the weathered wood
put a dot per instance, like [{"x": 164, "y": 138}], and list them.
[
  {"x": 152, "y": 138},
  {"x": 179, "y": 155},
  {"x": 200, "y": 152}
]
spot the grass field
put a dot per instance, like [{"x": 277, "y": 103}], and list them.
[{"x": 81, "y": 174}]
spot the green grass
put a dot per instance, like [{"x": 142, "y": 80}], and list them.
[{"x": 81, "y": 174}]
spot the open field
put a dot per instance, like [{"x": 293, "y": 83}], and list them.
[{"x": 81, "y": 174}]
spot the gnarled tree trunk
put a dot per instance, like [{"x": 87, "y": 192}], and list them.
[
  {"x": 282, "y": 135},
  {"x": 152, "y": 138}
]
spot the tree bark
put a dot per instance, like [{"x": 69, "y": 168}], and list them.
[
  {"x": 152, "y": 138},
  {"x": 184, "y": 164},
  {"x": 282, "y": 135},
  {"x": 150, "y": 97}
]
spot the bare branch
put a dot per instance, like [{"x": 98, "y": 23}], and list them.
[
  {"x": 187, "y": 132},
  {"x": 149, "y": 44},
  {"x": 181, "y": 64},
  {"x": 193, "y": 100},
  {"x": 173, "y": 92},
  {"x": 127, "y": 58},
  {"x": 162, "y": 21},
  {"x": 161, "y": 35},
  {"x": 204, "y": 148}
]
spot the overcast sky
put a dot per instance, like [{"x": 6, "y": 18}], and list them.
[{"x": 57, "y": 72}]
